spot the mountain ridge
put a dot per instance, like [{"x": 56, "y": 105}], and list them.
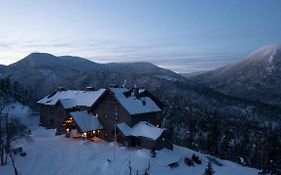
[
  {"x": 45, "y": 72},
  {"x": 257, "y": 77}
]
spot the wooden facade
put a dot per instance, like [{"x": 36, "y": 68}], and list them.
[
  {"x": 109, "y": 112},
  {"x": 164, "y": 141},
  {"x": 48, "y": 116},
  {"x": 53, "y": 116}
]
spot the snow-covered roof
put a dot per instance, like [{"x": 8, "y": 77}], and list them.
[
  {"x": 141, "y": 129},
  {"x": 135, "y": 105},
  {"x": 86, "y": 121},
  {"x": 68, "y": 103},
  {"x": 72, "y": 98}
]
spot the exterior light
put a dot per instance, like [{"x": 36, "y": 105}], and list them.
[
  {"x": 157, "y": 126},
  {"x": 94, "y": 132},
  {"x": 67, "y": 129},
  {"x": 84, "y": 134}
]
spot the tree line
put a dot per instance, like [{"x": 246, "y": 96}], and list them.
[{"x": 243, "y": 138}]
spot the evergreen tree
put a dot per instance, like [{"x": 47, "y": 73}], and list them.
[
  {"x": 7, "y": 84},
  {"x": 209, "y": 170},
  {"x": 213, "y": 135},
  {"x": 271, "y": 156},
  {"x": 226, "y": 144}
]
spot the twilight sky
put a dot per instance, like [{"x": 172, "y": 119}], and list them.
[{"x": 182, "y": 35}]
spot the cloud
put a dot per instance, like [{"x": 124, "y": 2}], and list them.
[
  {"x": 179, "y": 56},
  {"x": 46, "y": 45},
  {"x": 4, "y": 45}
]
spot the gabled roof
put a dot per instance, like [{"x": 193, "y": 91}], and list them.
[
  {"x": 72, "y": 98},
  {"x": 134, "y": 105},
  {"x": 68, "y": 103},
  {"x": 141, "y": 129},
  {"x": 86, "y": 121}
]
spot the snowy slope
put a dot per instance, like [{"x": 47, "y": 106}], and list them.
[
  {"x": 23, "y": 113},
  {"x": 257, "y": 77},
  {"x": 48, "y": 154}
]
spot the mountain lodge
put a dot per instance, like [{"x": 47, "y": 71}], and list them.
[{"x": 131, "y": 116}]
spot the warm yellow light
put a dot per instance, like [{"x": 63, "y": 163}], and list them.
[
  {"x": 68, "y": 121},
  {"x": 84, "y": 134},
  {"x": 94, "y": 132}
]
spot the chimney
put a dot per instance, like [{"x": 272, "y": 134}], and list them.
[
  {"x": 143, "y": 101},
  {"x": 90, "y": 88},
  {"x": 136, "y": 92},
  {"x": 113, "y": 85},
  {"x": 61, "y": 89}
]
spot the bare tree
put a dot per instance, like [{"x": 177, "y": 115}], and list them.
[
  {"x": 11, "y": 131},
  {"x": 4, "y": 102}
]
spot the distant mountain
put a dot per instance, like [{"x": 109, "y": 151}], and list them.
[
  {"x": 193, "y": 74},
  {"x": 2, "y": 69},
  {"x": 257, "y": 77},
  {"x": 39, "y": 70},
  {"x": 43, "y": 73}
]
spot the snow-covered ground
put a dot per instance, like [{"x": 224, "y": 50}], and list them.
[
  {"x": 48, "y": 154},
  {"x": 23, "y": 113}
]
